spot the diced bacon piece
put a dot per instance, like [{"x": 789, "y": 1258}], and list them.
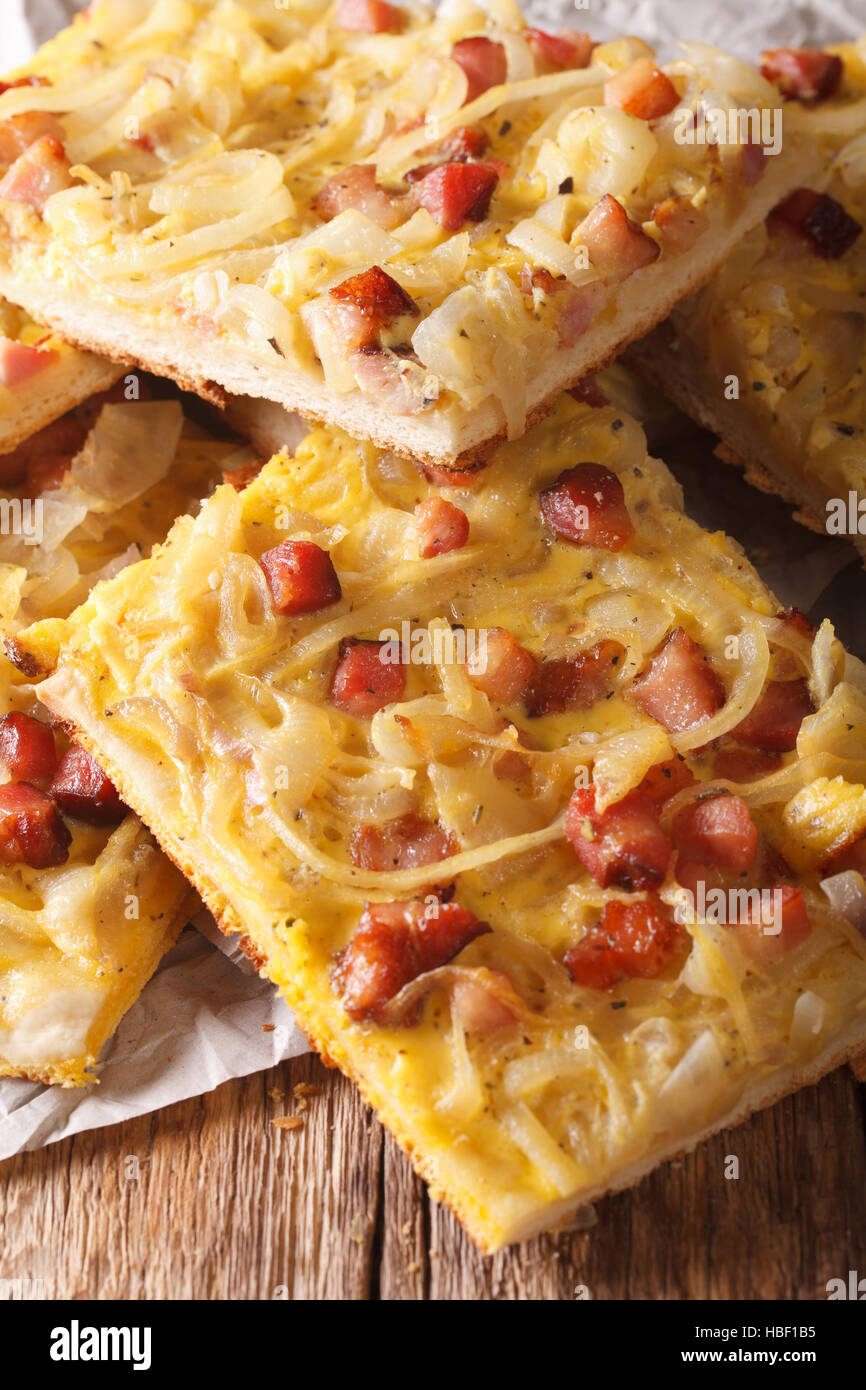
[
  {"x": 441, "y": 527},
  {"x": 27, "y": 748},
  {"x": 823, "y": 222},
  {"x": 390, "y": 379},
  {"x": 365, "y": 304},
  {"x": 680, "y": 223},
  {"x": 404, "y": 843},
  {"x": 501, "y": 668},
  {"x": 395, "y": 943},
  {"x": 37, "y": 174},
  {"x": 363, "y": 683},
  {"x": 301, "y": 577},
  {"x": 586, "y": 505},
  {"x": 54, "y": 446},
  {"x": 469, "y": 142},
  {"x": 540, "y": 279},
  {"x": 616, "y": 245},
  {"x": 679, "y": 687},
  {"x": 666, "y": 779},
  {"x": 18, "y": 362},
  {"x": 588, "y": 392},
  {"x": 577, "y": 309},
  {"x": 18, "y": 133},
  {"x": 460, "y": 478},
  {"x": 572, "y": 682},
  {"x": 775, "y": 721},
  {"x": 623, "y": 846},
  {"x": 369, "y": 16},
  {"x": 804, "y": 74},
  {"x": 568, "y": 48},
  {"x": 790, "y": 914},
  {"x": 31, "y": 831},
  {"x": 82, "y": 790},
  {"x": 486, "y": 1002},
  {"x": 453, "y": 193},
  {"x": 356, "y": 187},
  {"x": 719, "y": 831},
  {"x": 46, "y": 471},
  {"x": 484, "y": 63},
  {"x": 753, "y": 162},
  {"x": 641, "y": 89},
  {"x": 744, "y": 764},
  {"x": 632, "y": 941}
]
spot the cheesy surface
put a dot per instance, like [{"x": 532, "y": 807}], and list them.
[
  {"x": 788, "y": 322},
  {"x": 213, "y": 713},
  {"x": 201, "y": 136},
  {"x": 79, "y": 941}
]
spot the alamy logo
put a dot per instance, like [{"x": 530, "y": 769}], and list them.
[
  {"x": 719, "y": 126},
  {"x": 855, "y": 1288},
  {"x": 22, "y": 516},
  {"x": 77, "y": 1343},
  {"x": 727, "y": 906},
  {"x": 444, "y": 646}
]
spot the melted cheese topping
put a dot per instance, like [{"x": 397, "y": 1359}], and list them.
[
  {"x": 214, "y": 712},
  {"x": 201, "y": 135},
  {"x": 78, "y": 942},
  {"x": 791, "y": 324}
]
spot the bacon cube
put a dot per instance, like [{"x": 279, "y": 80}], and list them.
[
  {"x": 363, "y": 683},
  {"x": 632, "y": 941},
  {"x": 718, "y": 831},
  {"x": 502, "y": 669},
  {"x": 404, "y": 843},
  {"x": 356, "y": 187},
  {"x": 441, "y": 527},
  {"x": 37, "y": 174},
  {"x": 616, "y": 245},
  {"x": 774, "y": 723},
  {"x": 31, "y": 831},
  {"x": 18, "y": 362},
  {"x": 301, "y": 577},
  {"x": 454, "y": 193},
  {"x": 680, "y": 223},
  {"x": 484, "y": 62},
  {"x": 822, "y": 222},
  {"x": 586, "y": 505},
  {"x": 27, "y": 748},
  {"x": 369, "y": 16},
  {"x": 641, "y": 89},
  {"x": 802, "y": 74},
  {"x": 82, "y": 790},
  {"x": 362, "y": 306},
  {"x": 572, "y": 682},
  {"x": 395, "y": 943},
  {"x": 569, "y": 48},
  {"x": 679, "y": 687},
  {"x": 623, "y": 846}
]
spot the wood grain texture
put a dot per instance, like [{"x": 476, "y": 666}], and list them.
[{"x": 209, "y": 1200}]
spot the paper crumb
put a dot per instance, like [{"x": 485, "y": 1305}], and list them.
[
  {"x": 268, "y": 1027},
  {"x": 288, "y": 1122}
]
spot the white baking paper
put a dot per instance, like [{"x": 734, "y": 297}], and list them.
[{"x": 199, "y": 1022}]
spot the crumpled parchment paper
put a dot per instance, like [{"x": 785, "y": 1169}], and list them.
[{"x": 199, "y": 1022}]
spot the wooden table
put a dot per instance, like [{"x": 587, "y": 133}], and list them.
[{"x": 227, "y": 1205}]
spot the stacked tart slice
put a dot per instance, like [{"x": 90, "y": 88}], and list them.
[{"x": 544, "y": 816}]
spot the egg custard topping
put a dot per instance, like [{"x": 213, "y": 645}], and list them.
[
  {"x": 88, "y": 903},
  {"x": 785, "y": 319},
  {"x": 523, "y": 791},
  {"x": 417, "y": 225}
]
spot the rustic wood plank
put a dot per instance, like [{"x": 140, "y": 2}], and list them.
[{"x": 227, "y": 1206}]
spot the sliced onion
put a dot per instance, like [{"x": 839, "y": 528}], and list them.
[
  {"x": 847, "y": 894},
  {"x": 808, "y": 1020},
  {"x": 695, "y": 1084},
  {"x": 222, "y": 186},
  {"x": 540, "y": 1147}
]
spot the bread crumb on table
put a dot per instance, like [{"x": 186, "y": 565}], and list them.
[{"x": 288, "y": 1122}]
